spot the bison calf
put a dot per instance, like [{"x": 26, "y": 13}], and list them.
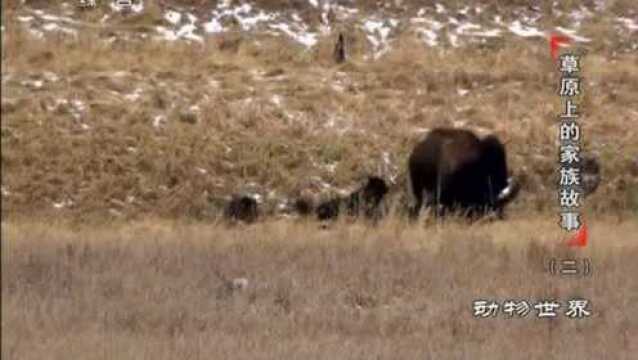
[
  {"x": 242, "y": 208},
  {"x": 367, "y": 200}
]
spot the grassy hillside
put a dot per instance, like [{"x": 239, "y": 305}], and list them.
[{"x": 165, "y": 128}]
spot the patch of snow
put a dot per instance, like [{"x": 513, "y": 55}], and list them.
[
  {"x": 462, "y": 92},
  {"x": 276, "y": 99},
  {"x": 35, "y": 84},
  {"x": 525, "y": 31},
  {"x": 338, "y": 88},
  {"x": 213, "y": 26},
  {"x": 134, "y": 95},
  {"x": 459, "y": 123},
  {"x": 420, "y": 130},
  {"x": 466, "y": 28},
  {"x": 429, "y": 37},
  {"x": 119, "y": 73},
  {"x": 577, "y": 16},
  {"x": 173, "y": 17},
  {"x": 307, "y": 39},
  {"x": 488, "y": 33},
  {"x": 185, "y": 32},
  {"x": 62, "y": 204},
  {"x": 470, "y": 29},
  {"x": 454, "y": 39},
  {"x": 55, "y": 27},
  {"x": 242, "y": 15},
  {"x": 37, "y": 33},
  {"x": 248, "y": 23},
  {"x": 572, "y": 34},
  {"x": 530, "y": 19},
  {"x": 79, "y": 108},
  {"x": 630, "y": 24},
  {"x": 50, "y": 76},
  {"x": 440, "y": 9},
  {"x": 343, "y": 192},
  {"x": 434, "y": 24},
  {"x": 159, "y": 121},
  {"x": 54, "y": 18},
  {"x": 331, "y": 167},
  {"x": 378, "y": 32},
  {"x": 136, "y": 7}
]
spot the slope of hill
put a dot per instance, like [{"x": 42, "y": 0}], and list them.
[{"x": 170, "y": 106}]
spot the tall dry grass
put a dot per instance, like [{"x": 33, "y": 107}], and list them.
[{"x": 163, "y": 290}]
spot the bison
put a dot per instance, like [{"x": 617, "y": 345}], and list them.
[
  {"x": 242, "y": 208},
  {"x": 367, "y": 200},
  {"x": 454, "y": 170}
]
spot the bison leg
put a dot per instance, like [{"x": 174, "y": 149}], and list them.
[
  {"x": 416, "y": 207},
  {"x": 426, "y": 200}
]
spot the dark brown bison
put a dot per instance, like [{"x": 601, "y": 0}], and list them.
[
  {"x": 366, "y": 200},
  {"x": 454, "y": 170},
  {"x": 241, "y": 208}
]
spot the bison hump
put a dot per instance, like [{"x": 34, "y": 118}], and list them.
[{"x": 457, "y": 153}]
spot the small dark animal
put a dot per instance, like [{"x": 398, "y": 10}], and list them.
[
  {"x": 340, "y": 49},
  {"x": 452, "y": 169},
  {"x": 303, "y": 206},
  {"x": 242, "y": 208},
  {"x": 365, "y": 200},
  {"x": 590, "y": 173}
]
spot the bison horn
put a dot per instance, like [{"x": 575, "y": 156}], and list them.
[{"x": 509, "y": 192}]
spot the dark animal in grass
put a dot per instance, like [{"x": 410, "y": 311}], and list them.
[
  {"x": 364, "y": 201},
  {"x": 590, "y": 173},
  {"x": 242, "y": 208},
  {"x": 339, "y": 52},
  {"x": 303, "y": 206},
  {"x": 454, "y": 170}
]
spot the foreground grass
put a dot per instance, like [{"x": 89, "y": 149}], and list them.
[{"x": 159, "y": 290}]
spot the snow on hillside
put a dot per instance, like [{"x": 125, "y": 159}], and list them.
[{"x": 434, "y": 25}]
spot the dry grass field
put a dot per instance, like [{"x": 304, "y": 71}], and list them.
[
  {"x": 160, "y": 290},
  {"x": 116, "y": 157}
]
